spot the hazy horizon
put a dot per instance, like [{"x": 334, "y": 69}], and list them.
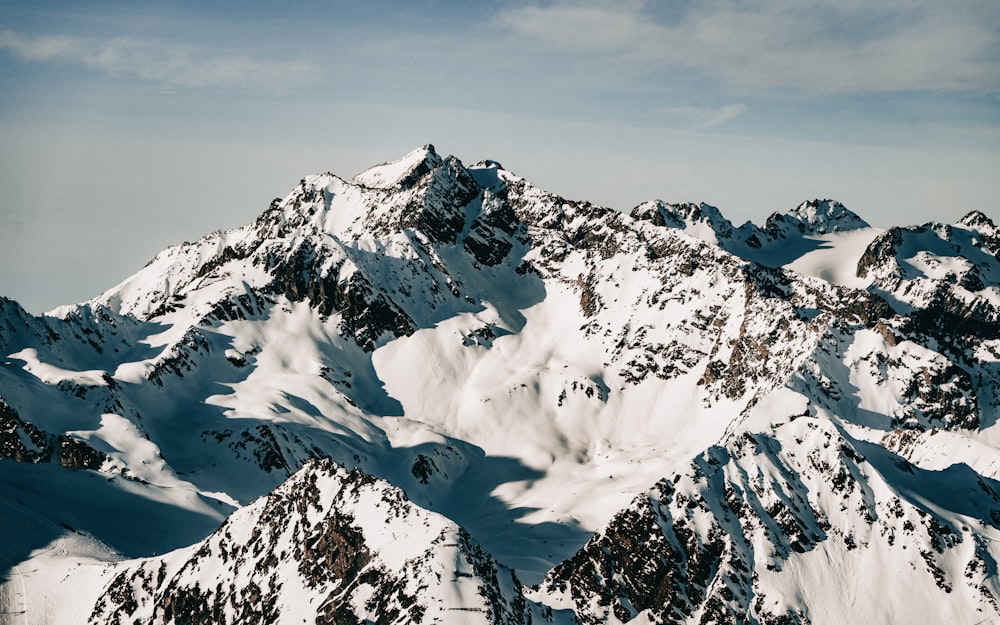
[{"x": 127, "y": 128}]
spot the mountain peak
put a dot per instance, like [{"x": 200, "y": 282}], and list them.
[
  {"x": 819, "y": 217},
  {"x": 360, "y": 550},
  {"x": 977, "y": 220},
  {"x": 402, "y": 172},
  {"x": 462, "y": 335},
  {"x": 700, "y": 220}
]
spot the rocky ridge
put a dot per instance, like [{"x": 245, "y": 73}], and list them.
[
  {"x": 329, "y": 546},
  {"x": 460, "y": 333}
]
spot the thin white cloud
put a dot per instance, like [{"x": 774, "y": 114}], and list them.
[
  {"x": 166, "y": 64},
  {"x": 704, "y": 118},
  {"x": 36, "y": 48},
  {"x": 819, "y": 46}
]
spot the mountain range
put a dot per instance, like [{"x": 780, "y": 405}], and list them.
[{"x": 436, "y": 393}]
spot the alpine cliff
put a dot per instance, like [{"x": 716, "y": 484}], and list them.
[{"x": 437, "y": 393}]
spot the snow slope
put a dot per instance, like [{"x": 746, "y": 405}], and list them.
[
  {"x": 329, "y": 545},
  {"x": 526, "y": 368}
]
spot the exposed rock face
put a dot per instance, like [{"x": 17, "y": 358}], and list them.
[
  {"x": 496, "y": 350},
  {"x": 985, "y": 228},
  {"x": 24, "y": 442},
  {"x": 943, "y": 277},
  {"x": 815, "y": 217},
  {"x": 697, "y": 218},
  {"x": 703, "y": 221},
  {"x": 701, "y": 544},
  {"x": 328, "y": 546}
]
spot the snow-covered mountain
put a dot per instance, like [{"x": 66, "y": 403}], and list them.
[
  {"x": 595, "y": 416},
  {"x": 327, "y": 546}
]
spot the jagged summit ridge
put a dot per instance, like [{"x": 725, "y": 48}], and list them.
[
  {"x": 824, "y": 216},
  {"x": 701, "y": 220},
  {"x": 403, "y": 172},
  {"x": 704, "y": 221},
  {"x": 979, "y": 221},
  {"x": 438, "y": 197},
  {"x": 645, "y": 413},
  {"x": 985, "y": 227}
]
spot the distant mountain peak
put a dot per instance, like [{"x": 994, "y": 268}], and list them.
[
  {"x": 402, "y": 172},
  {"x": 700, "y": 220},
  {"x": 987, "y": 229},
  {"x": 977, "y": 220},
  {"x": 706, "y": 222},
  {"x": 830, "y": 214},
  {"x": 684, "y": 212},
  {"x": 488, "y": 164},
  {"x": 817, "y": 217}
]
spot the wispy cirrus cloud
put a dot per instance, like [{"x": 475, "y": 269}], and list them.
[
  {"x": 821, "y": 46},
  {"x": 163, "y": 63},
  {"x": 704, "y": 118}
]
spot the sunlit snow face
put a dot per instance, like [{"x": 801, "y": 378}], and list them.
[{"x": 581, "y": 390}]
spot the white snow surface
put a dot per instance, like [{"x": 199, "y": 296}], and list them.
[
  {"x": 389, "y": 174},
  {"x": 834, "y": 257},
  {"x": 528, "y": 397}
]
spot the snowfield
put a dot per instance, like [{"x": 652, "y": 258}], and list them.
[{"x": 437, "y": 393}]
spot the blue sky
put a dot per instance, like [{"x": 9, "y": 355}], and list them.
[{"x": 126, "y": 127}]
